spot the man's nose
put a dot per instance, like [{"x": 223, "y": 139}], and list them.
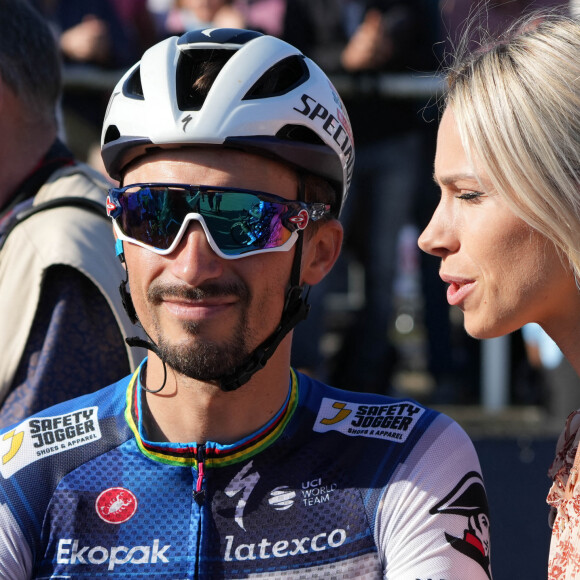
[{"x": 193, "y": 260}]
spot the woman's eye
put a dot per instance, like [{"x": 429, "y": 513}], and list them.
[{"x": 470, "y": 195}]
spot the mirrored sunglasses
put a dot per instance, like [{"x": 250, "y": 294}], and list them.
[{"x": 237, "y": 222}]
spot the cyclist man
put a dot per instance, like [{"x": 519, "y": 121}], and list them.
[{"x": 216, "y": 459}]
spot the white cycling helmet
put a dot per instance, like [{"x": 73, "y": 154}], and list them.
[{"x": 268, "y": 98}]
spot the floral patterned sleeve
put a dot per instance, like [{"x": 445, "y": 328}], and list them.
[{"x": 564, "y": 499}]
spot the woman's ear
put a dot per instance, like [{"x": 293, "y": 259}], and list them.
[{"x": 320, "y": 251}]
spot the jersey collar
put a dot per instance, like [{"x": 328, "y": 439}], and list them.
[{"x": 216, "y": 454}]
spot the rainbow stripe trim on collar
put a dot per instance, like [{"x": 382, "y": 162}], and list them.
[{"x": 215, "y": 454}]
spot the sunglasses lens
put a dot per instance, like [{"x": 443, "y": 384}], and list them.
[
  {"x": 146, "y": 216},
  {"x": 238, "y": 222},
  {"x": 244, "y": 223}
]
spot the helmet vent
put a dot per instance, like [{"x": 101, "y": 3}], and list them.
[
  {"x": 132, "y": 87},
  {"x": 112, "y": 134},
  {"x": 280, "y": 79},
  {"x": 196, "y": 73},
  {"x": 300, "y": 134}
]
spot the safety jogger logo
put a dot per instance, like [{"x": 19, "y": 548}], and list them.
[
  {"x": 40, "y": 437},
  {"x": 391, "y": 422}
]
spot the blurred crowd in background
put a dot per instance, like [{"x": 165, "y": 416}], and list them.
[{"x": 380, "y": 322}]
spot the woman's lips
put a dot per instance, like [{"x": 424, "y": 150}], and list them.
[{"x": 458, "y": 290}]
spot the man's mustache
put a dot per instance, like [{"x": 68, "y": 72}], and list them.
[{"x": 158, "y": 292}]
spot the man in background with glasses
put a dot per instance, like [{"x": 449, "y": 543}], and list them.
[
  {"x": 61, "y": 319},
  {"x": 216, "y": 459}
]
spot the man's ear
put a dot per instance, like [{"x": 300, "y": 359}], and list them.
[{"x": 320, "y": 251}]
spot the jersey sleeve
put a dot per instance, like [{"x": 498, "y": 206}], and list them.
[
  {"x": 15, "y": 556},
  {"x": 433, "y": 521}
]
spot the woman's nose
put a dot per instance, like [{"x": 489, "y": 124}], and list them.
[{"x": 438, "y": 238}]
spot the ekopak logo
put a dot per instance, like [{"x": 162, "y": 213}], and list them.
[{"x": 116, "y": 505}]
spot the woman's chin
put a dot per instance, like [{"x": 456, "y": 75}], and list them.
[{"x": 484, "y": 332}]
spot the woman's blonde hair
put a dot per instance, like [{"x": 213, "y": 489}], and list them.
[{"x": 517, "y": 106}]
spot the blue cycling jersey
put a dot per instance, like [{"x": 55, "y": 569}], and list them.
[{"x": 337, "y": 485}]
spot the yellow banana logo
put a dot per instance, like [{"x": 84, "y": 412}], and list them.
[
  {"x": 340, "y": 416},
  {"x": 14, "y": 446}
]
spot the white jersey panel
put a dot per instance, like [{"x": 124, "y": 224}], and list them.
[
  {"x": 15, "y": 556},
  {"x": 430, "y": 516}
]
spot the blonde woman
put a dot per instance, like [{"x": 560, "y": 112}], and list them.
[{"x": 507, "y": 227}]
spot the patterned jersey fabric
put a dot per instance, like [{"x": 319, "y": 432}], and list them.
[{"x": 337, "y": 485}]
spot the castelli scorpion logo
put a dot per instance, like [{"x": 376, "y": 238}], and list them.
[{"x": 116, "y": 505}]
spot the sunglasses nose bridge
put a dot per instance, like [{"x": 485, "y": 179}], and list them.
[
  {"x": 190, "y": 221},
  {"x": 192, "y": 256}
]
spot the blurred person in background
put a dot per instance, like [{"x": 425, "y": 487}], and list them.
[
  {"x": 184, "y": 15},
  {"x": 91, "y": 35},
  {"x": 138, "y": 22},
  {"x": 171, "y": 16},
  {"x": 506, "y": 227},
  {"x": 363, "y": 39},
  {"x": 493, "y": 16},
  {"x": 264, "y": 15},
  {"x": 62, "y": 319}
]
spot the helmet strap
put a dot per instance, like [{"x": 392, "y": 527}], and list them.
[
  {"x": 295, "y": 309},
  {"x": 137, "y": 341},
  {"x": 126, "y": 299},
  {"x": 150, "y": 345},
  {"x": 128, "y": 302}
]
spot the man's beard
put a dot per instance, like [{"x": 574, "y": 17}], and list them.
[{"x": 206, "y": 360}]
